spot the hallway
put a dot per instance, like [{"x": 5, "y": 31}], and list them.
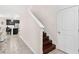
[{"x": 14, "y": 45}]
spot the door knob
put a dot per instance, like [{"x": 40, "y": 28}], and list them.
[
  {"x": 58, "y": 32},
  {"x": 78, "y": 30}
]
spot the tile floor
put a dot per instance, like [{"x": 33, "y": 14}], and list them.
[{"x": 14, "y": 45}]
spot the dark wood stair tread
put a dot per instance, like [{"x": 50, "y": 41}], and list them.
[
  {"x": 47, "y": 42},
  {"x": 49, "y": 49},
  {"x": 47, "y": 46},
  {"x": 44, "y": 34},
  {"x": 46, "y": 38}
]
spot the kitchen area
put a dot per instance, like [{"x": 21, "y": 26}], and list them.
[{"x": 12, "y": 27}]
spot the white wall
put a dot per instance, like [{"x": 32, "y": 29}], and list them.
[
  {"x": 47, "y": 15},
  {"x": 31, "y": 33},
  {"x": 12, "y": 9}
]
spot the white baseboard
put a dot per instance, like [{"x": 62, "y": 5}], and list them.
[{"x": 29, "y": 46}]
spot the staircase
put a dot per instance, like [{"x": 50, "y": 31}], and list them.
[{"x": 47, "y": 44}]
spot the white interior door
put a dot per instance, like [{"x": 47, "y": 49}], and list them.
[{"x": 67, "y": 28}]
